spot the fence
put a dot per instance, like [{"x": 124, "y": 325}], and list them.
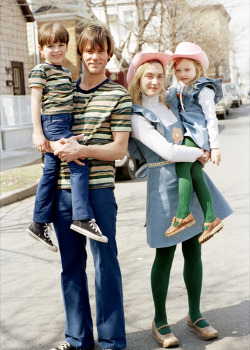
[{"x": 16, "y": 124}]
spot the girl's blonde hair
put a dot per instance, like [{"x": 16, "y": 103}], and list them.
[
  {"x": 198, "y": 68},
  {"x": 134, "y": 87}
]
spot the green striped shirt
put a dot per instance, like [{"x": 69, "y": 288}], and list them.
[
  {"x": 98, "y": 113},
  {"x": 57, "y": 88}
]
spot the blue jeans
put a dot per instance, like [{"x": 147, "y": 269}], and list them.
[
  {"x": 108, "y": 283},
  {"x": 56, "y": 127}
]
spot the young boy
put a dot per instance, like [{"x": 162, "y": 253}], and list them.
[{"x": 52, "y": 91}]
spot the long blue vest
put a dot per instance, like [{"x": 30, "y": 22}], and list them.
[
  {"x": 162, "y": 185},
  {"x": 193, "y": 118}
]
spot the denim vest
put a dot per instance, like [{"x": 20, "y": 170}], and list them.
[
  {"x": 162, "y": 184},
  {"x": 192, "y": 117}
]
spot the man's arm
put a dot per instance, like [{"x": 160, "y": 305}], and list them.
[{"x": 71, "y": 150}]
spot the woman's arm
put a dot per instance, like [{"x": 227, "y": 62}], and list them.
[{"x": 145, "y": 132}]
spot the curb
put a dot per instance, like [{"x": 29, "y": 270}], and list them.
[{"x": 16, "y": 196}]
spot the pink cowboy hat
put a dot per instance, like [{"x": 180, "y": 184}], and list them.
[
  {"x": 142, "y": 57},
  {"x": 193, "y": 51}
]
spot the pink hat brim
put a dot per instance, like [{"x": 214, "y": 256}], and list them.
[
  {"x": 143, "y": 57},
  {"x": 200, "y": 57}
]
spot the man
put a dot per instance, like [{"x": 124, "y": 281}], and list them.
[{"x": 102, "y": 112}]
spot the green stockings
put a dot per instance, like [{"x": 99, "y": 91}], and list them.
[
  {"x": 192, "y": 276},
  {"x": 190, "y": 176}
]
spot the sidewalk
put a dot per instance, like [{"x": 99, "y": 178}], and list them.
[{"x": 15, "y": 159}]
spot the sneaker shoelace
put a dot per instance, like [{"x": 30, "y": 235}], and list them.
[
  {"x": 47, "y": 231},
  {"x": 95, "y": 227},
  {"x": 64, "y": 346}
]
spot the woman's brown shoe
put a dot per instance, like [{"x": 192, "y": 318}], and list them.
[
  {"x": 166, "y": 340},
  {"x": 205, "y": 333},
  {"x": 213, "y": 228},
  {"x": 188, "y": 221}
]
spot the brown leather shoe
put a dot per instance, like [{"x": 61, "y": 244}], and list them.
[
  {"x": 166, "y": 340},
  {"x": 205, "y": 333},
  {"x": 213, "y": 228},
  {"x": 188, "y": 221}
]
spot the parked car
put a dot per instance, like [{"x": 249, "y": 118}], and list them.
[
  {"x": 126, "y": 167},
  {"x": 223, "y": 106},
  {"x": 235, "y": 91}
]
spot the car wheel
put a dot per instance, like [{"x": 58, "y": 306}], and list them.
[
  {"x": 127, "y": 172},
  {"x": 237, "y": 104}
]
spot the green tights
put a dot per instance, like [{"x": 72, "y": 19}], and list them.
[
  {"x": 192, "y": 274},
  {"x": 190, "y": 176}
]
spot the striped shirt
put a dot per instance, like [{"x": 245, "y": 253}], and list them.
[
  {"x": 99, "y": 112},
  {"x": 57, "y": 88}
]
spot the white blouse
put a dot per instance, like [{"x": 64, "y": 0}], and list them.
[{"x": 144, "y": 131}]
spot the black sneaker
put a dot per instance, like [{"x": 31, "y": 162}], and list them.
[
  {"x": 41, "y": 233},
  {"x": 90, "y": 229},
  {"x": 67, "y": 346}
]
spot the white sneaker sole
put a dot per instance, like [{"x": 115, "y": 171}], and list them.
[
  {"x": 53, "y": 248},
  {"x": 96, "y": 237}
]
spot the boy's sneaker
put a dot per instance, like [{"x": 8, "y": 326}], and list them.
[
  {"x": 41, "y": 233},
  {"x": 67, "y": 346},
  {"x": 90, "y": 229}
]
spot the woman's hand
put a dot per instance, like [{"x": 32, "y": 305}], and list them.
[{"x": 204, "y": 158}]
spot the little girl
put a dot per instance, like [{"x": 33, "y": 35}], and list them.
[{"x": 198, "y": 97}]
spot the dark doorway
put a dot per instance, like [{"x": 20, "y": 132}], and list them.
[{"x": 18, "y": 78}]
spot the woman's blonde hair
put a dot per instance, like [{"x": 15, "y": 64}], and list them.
[
  {"x": 198, "y": 68},
  {"x": 134, "y": 87}
]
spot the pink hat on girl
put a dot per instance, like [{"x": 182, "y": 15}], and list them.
[
  {"x": 142, "y": 57},
  {"x": 193, "y": 51}
]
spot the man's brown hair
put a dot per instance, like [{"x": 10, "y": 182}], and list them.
[
  {"x": 51, "y": 33},
  {"x": 96, "y": 36}
]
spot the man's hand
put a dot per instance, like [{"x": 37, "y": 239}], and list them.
[
  {"x": 204, "y": 158},
  {"x": 71, "y": 150},
  {"x": 40, "y": 142},
  {"x": 215, "y": 156}
]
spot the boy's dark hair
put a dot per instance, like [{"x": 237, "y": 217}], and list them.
[
  {"x": 51, "y": 33},
  {"x": 96, "y": 35}
]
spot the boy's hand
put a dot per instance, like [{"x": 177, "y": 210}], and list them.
[
  {"x": 40, "y": 142},
  {"x": 215, "y": 156}
]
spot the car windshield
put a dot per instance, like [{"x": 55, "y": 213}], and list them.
[{"x": 230, "y": 87}]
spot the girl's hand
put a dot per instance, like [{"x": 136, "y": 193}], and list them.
[
  {"x": 204, "y": 158},
  {"x": 215, "y": 156},
  {"x": 40, "y": 142}
]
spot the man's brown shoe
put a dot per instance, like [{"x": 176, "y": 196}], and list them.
[
  {"x": 213, "y": 228},
  {"x": 166, "y": 340},
  {"x": 205, "y": 333},
  {"x": 188, "y": 221}
]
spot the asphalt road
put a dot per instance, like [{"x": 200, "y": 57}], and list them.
[{"x": 32, "y": 314}]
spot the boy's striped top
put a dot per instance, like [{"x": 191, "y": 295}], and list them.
[
  {"x": 98, "y": 113},
  {"x": 57, "y": 88}
]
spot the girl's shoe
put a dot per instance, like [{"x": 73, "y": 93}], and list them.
[
  {"x": 205, "y": 333},
  {"x": 167, "y": 340},
  {"x": 213, "y": 228},
  {"x": 188, "y": 221}
]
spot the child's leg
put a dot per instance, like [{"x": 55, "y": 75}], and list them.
[
  {"x": 202, "y": 192},
  {"x": 46, "y": 190},
  {"x": 185, "y": 187}
]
